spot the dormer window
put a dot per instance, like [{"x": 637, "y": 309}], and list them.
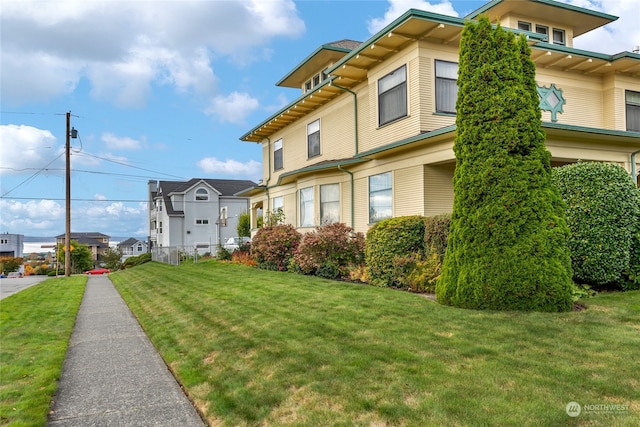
[
  {"x": 524, "y": 26},
  {"x": 202, "y": 195},
  {"x": 558, "y": 37}
]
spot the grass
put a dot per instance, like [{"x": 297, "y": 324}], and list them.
[
  {"x": 253, "y": 347},
  {"x": 35, "y": 327}
]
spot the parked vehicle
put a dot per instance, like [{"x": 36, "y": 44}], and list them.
[
  {"x": 234, "y": 243},
  {"x": 97, "y": 271},
  {"x": 15, "y": 275}
]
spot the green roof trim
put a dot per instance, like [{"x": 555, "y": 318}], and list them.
[
  {"x": 553, "y": 3},
  {"x": 309, "y": 57},
  {"x": 411, "y": 13},
  {"x": 287, "y": 107},
  {"x": 597, "y": 131},
  {"x": 322, "y": 166},
  {"x": 407, "y": 141}
]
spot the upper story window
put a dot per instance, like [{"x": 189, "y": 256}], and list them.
[
  {"x": 380, "y": 197},
  {"x": 446, "y": 86},
  {"x": 541, "y": 29},
  {"x": 392, "y": 96},
  {"x": 140, "y": 247},
  {"x": 329, "y": 203},
  {"x": 277, "y": 155},
  {"x": 202, "y": 221},
  {"x": 313, "y": 139},
  {"x": 558, "y": 37},
  {"x": 524, "y": 26},
  {"x": 633, "y": 110},
  {"x": 306, "y": 207},
  {"x": 202, "y": 194},
  {"x": 159, "y": 205}
]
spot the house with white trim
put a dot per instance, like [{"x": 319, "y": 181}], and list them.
[{"x": 195, "y": 214}]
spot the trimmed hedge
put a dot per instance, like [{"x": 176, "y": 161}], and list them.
[
  {"x": 507, "y": 247},
  {"x": 388, "y": 241},
  {"x": 603, "y": 214},
  {"x": 436, "y": 233}
]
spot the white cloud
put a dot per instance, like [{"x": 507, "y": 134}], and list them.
[
  {"x": 27, "y": 147},
  {"x": 621, "y": 35},
  {"x": 114, "y": 142},
  {"x": 212, "y": 165},
  {"x": 38, "y": 216},
  {"x": 233, "y": 108},
  {"x": 398, "y": 7},
  {"x": 125, "y": 47}
]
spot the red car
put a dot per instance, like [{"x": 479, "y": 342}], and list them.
[{"x": 97, "y": 271}]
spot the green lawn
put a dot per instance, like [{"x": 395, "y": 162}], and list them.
[
  {"x": 254, "y": 347},
  {"x": 35, "y": 327}
]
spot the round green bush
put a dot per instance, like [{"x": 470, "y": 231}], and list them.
[
  {"x": 602, "y": 213},
  {"x": 386, "y": 241}
]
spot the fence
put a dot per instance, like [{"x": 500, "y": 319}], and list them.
[{"x": 177, "y": 255}]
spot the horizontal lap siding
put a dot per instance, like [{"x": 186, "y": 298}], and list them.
[
  {"x": 408, "y": 199},
  {"x": 438, "y": 189}
]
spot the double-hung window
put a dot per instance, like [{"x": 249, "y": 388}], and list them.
[
  {"x": 380, "y": 197},
  {"x": 392, "y": 96},
  {"x": 633, "y": 110},
  {"x": 446, "y": 86},
  {"x": 329, "y": 203},
  {"x": 313, "y": 139},
  {"x": 278, "y": 204},
  {"x": 278, "y": 162},
  {"x": 306, "y": 207}
]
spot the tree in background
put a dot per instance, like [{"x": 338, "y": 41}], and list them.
[
  {"x": 81, "y": 257},
  {"x": 244, "y": 224},
  {"x": 112, "y": 257},
  {"x": 507, "y": 247}
]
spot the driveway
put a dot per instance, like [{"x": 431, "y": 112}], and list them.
[{"x": 12, "y": 286}]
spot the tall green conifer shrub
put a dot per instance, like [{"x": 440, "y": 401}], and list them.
[{"x": 507, "y": 247}]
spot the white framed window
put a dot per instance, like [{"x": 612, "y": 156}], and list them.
[
  {"x": 307, "y": 86},
  {"x": 313, "y": 139},
  {"x": 278, "y": 161},
  {"x": 524, "y": 26},
  {"x": 542, "y": 29},
  {"x": 140, "y": 247},
  {"x": 558, "y": 37},
  {"x": 392, "y": 96},
  {"x": 160, "y": 227},
  {"x": 159, "y": 205},
  {"x": 306, "y": 207},
  {"x": 446, "y": 86},
  {"x": 329, "y": 203},
  {"x": 632, "y": 110},
  {"x": 202, "y": 195},
  {"x": 278, "y": 203},
  {"x": 202, "y": 221},
  {"x": 316, "y": 80},
  {"x": 380, "y": 197}
]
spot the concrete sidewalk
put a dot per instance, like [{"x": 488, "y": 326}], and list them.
[{"x": 112, "y": 374}]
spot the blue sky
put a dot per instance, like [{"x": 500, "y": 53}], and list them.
[{"x": 162, "y": 90}]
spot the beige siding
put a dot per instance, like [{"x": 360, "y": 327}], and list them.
[
  {"x": 429, "y": 53},
  {"x": 406, "y": 200},
  {"x": 438, "y": 188},
  {"x": 361, "y": 214}
]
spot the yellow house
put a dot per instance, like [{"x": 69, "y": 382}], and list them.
[{"x": 371, "y": 135}]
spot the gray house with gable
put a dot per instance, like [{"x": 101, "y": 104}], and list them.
[{"x": 199, "y": 213}]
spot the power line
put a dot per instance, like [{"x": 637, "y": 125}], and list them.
[{"x": 34, "y": 175}]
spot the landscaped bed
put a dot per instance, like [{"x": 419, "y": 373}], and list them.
[{"x": 253, "y": 347}]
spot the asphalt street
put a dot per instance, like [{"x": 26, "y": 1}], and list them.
[{"x": 12, "y": 286}]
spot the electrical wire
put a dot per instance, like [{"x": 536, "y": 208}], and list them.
[{"x": 32, "y": 177}]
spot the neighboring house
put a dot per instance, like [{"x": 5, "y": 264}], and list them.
[
  {"x": 132, "y": 247},
  {"x": 371, "y": 136},
  {"x": 96, "y": 242},
  {"x": 11, "y": 245},
  {"x": 199, "y": 213}
]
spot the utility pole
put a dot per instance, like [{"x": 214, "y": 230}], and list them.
[{"x": 67, "y": 234}]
